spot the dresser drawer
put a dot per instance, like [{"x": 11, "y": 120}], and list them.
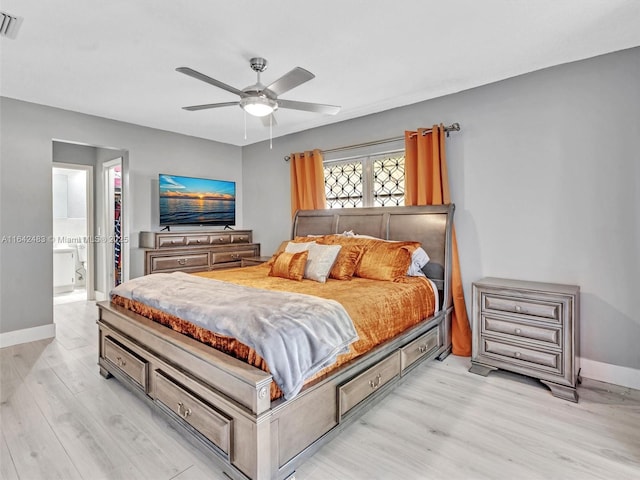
[
  {"x": 219, "y": 238},
  {"x": 174, "y": 262},
  {"x": 548, "y": 361},
  {"x": 133, "y": 366},
  {"x": 360, "y": 387},
  {"x": 523, "y": 306},
  {"x": 240, "y": 238},
  {"x": 197, "y": 240},
  {"x": 171, "y": 241},
  {"x": 421, "y": 347},
  {"x": 236, "y": 256},
  {"x": 205, "y": 419},
  {"x": 548, "y": 335}
]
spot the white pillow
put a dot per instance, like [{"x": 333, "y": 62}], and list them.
[
  {"x": 320, "y": 260},
  {"x": 419, "y": 259},
  {"x": 293, "y": 247}
]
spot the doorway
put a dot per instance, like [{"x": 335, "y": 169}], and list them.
[
  {"x": 72, "y": 195},
  {"x": 113, "y": 224}
]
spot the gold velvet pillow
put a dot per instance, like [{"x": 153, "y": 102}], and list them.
[
  {"x": 289, "y": 265},
  {"x": 386, "y": 260},
  {"x": 347, "y": 261},
  {"x": 284, "y": 244},
  {"x": 381, "y": 260}
]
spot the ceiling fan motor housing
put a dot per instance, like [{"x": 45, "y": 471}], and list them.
[{"x": 258, "y": 64}]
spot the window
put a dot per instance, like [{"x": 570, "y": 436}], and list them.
[{"x": 367, "y": 181}]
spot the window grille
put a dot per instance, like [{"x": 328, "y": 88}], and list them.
[{"x": 375, "y": 180}]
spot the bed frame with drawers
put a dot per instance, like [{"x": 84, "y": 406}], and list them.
[{"x": 224, "y": 404}]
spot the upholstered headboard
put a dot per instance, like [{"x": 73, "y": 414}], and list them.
[{"x": 430, "y": 225}]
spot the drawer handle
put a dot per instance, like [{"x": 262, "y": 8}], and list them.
[
  {"x": 518, "y": 308},
  {"x": 221, "y": 239},
  {"x": 516, "y": 354},
  {"x": 518, "y": 331},
  {"x": 375, "y": 384},
  {"x": 422, "y": 348},
  {"x": 182, "y": 261},
  {"x": 183, "y": 412},
  {"x": 121, "y": 361}
]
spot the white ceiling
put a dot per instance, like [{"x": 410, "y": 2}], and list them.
[{"x": 117, "y": 58}]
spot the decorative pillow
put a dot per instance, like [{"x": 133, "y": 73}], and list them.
[
  {"x": 289, "y": 265},
  {"x": 382, "y": 259},
  {"x": 419, "y": 258},
  {"x": 321, "y": 259},
  {"x": 347, "y": 262},
  {"x": 283, "y": 246},
  {"x": 295, "y": 247},
  {"x": 386, "y": 261}
]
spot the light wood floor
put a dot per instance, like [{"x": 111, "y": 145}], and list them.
[{"x": 61, "y": 420}]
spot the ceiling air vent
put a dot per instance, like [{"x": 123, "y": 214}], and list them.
[{"x": 9, "y": 25}]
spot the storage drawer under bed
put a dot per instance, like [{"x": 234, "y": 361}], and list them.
[
  {"x": 205, "y": 419},
  {"x": 424, "y": 345},
  {"x": 133, "y": 366},
  {"x": 363, "y": 385}
]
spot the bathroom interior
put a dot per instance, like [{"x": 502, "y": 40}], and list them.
[{"x": 70, "y": 226}]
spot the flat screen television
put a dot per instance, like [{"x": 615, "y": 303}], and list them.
[{"x": 196, "y": 201}]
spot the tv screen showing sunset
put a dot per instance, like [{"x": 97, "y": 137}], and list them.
[{"x": 196, "y": 201}]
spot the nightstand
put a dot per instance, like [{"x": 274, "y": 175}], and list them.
[
  {"x": 529, "y": 328},
  {"x": 250, "y": 261}
]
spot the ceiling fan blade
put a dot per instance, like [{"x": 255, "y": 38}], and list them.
[
  {"x": 267, "y": 123},
  {"x": 193, "y": 108},
  {"x": 209, "y": 80},
  {"x": 309, "y": 107},
  {"x": 290, "y": 80}
]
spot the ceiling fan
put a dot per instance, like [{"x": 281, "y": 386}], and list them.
[{"x": 261, "y": 101}]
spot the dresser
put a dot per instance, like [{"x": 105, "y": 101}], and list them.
[
  {"x": 529, "y": 328},
  {"x": 196, "y": 251}
]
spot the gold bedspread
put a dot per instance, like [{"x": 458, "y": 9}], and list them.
[{"x": 380, "y": 310}]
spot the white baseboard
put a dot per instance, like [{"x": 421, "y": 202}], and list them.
[
  {"x": 605, "y": 372},
  {"x": 27, "y": 335},
  {"x": 99, "y": 296}
]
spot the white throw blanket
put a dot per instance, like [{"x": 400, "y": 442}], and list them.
[{"x": 296, "y": 334}]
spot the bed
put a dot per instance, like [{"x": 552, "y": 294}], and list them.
[{"x": 231, "y": 407}]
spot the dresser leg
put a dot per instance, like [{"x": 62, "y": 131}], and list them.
[
  {"x": 480, "y": 369},
  {"x": 105, "y": 373},
  {"x": 562, "y": 391}
]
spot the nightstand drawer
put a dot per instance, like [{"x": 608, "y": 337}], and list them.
[
  {"x": 523, "y": 306},
  {"x": 547, "y": 361},
  {"x": 175, "y": 262},
  {"x": 548, "y": 335}
]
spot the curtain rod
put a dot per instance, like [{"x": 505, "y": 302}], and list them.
[{"x": 454, "y": 127}]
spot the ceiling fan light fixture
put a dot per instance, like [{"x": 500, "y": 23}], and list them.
[{"x": 258, "y": 106}]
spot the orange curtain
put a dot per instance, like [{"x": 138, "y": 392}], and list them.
[
  {"x": 307, "y": 181},
  {"x": 427, "y": 183}
]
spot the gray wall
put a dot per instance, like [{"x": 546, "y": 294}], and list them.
[
  {"x": 26, "y": 135},
  {"x": 545, "y": 175}
]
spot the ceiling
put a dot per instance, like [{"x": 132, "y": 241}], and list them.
[{"x": 117, "y": 58}]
